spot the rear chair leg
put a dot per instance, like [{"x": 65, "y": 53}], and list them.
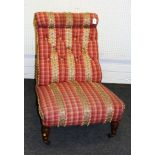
[
  {"x": 114, "y": 127},
  {"x": 45, "y": 134}
]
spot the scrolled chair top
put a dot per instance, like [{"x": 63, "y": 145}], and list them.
[{"x": 65, "y": 19}]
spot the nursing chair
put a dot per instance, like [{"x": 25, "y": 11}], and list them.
[{"x": 68, "y": 73}]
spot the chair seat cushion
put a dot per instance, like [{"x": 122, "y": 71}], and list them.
[{"x": 77, "y": 103}]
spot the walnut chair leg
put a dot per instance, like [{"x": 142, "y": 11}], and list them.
[
  {"x": 114, "y": 127},
  {"x": 45, "y": 134}
]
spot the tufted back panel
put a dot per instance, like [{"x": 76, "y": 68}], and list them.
[{"x": 67, "y": 47}]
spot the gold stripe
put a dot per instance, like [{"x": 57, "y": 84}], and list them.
[
  {"x": 69, "y": 19},
  {"x": 106, "y": 99},
  {"x": 68, "y": 30},
  {"x": 86, "y": 21},
  {"x": 88, "y": 69},
  {"x": 52, "y": 41},
  {"x": 68, "y": 37},
  {"x": 60, "y": 102},
  {"x": 52, "y": 37},
  {"x": 51, "y": 19},
  {"x": 52, "y": 33},
  {"x": 85, "y": 39},
  {"x": 70, "y": 56},
  {"x": 55, "y": 66},
  {"x": 71, "y": 66},
  {"x": 84, "y": 100},
  {"x": 87, "y": 60}
]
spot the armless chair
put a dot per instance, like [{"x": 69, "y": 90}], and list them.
[{"x": 68, "y": 73}]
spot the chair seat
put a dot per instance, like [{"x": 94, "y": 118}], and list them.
[{"x": 77, "y": 103}]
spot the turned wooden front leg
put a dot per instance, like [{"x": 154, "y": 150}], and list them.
[
  {"x": 45, "y": 134},
  {"x": 114, "y": 127}
]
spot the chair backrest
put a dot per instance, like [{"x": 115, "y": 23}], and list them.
[{"x": 67, "y": 47}]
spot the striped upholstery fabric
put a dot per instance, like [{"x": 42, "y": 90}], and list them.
[
  {"x": 78, "y": 103},
  {"x": 67, "y": 47},
  {"x": 68, "y": 72}
]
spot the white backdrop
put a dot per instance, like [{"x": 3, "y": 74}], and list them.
[{"x": 113, "y": 33}]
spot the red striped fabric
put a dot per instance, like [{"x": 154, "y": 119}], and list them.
[
  {"x": 42, "y": 19},
  {"x": 69, "y": 75},
  {"x": 45, "y": 52},
  {"x": 50, "y": 110}
]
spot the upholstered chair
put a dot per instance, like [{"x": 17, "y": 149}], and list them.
[{"x": 68, "y": 73}]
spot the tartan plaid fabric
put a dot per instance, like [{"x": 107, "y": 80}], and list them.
[
  {"x": 42, "y": 20},
  {"x": 67, "y": 47},
  {"x": 68, "y": 72},
  {"x": 62, "y": 104}
]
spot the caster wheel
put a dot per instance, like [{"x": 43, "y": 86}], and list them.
[
  {"x": 111, "y": 135},
  {"x": 47, "y": 142}
]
